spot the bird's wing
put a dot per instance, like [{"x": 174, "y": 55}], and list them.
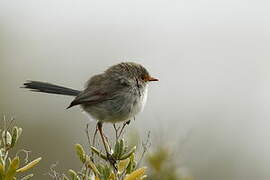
[
  {"x": 96, "y": 91},
  {"x": 89, "y": 97}
]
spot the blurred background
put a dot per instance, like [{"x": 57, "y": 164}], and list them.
[{"x": 212, "y": 58}]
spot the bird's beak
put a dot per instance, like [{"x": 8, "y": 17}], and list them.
[{"x": 152, "y": 79}]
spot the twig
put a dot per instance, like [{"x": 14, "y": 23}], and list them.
[
  {"x": 53, "y": 173},
  {"x": 145, "y": 146},
  {"x": 116, "y": 129},
  {"x": 10, "y": 123},
  {"x": 87, "y": 133}
]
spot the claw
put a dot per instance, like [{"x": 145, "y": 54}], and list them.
[{"x": 112, "y": 160}]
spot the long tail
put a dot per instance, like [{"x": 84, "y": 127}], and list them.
[{"x": 38, "y": 86}]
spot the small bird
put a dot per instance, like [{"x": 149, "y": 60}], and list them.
[{"x": 116, "y": 95}]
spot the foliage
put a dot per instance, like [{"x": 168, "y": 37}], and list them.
[
  {"x": 10, "y": 166},
  {"x": 123, "y": 162},
  {"x": 97, "y": 165},
  {"x": 125, "y": 167},
  {"x": 162, "y": 166}
]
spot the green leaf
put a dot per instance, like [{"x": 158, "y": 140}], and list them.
[
  {"x": 2, "y": 156},
  {"x": 6, "y": 137},
  {"x": 19, "y": 131},
  {"x": 121, "y": 148},
  {"x": 136, "y": 174},
  {"x": 91, "y": 165},
  {"x": 105, "y": 174},
  {"x": 2, "y": 171},
  {"x": 128, "y": 154},
  {"x": 80, "y": 152},
  {"x": 122, "y": 165},
  {"x": 132, "y": 164},
  {"x": 29, "y": 165},
  {"x": 29, "y": 176},
  {"x": 65, "y": 177},
  {"x": 95, "y": 150},
  {"x": 116, "y": 151},
  {"x": 15, "y": 135},
  {"x": 13, "y": 166},
  {"x": 73, "y": 175}
]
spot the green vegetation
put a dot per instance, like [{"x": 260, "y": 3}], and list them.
[
  {"x": 97, "y": 165},
  {"x": 124, "y": 162},
  {"x": 11, "y": 167},
  {"x": 162, "y": 166}
]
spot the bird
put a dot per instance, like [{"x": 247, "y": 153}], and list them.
[{"x": 116, "y": 95}]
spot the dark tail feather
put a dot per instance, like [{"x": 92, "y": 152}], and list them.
[{"x": 38, "y": 86}]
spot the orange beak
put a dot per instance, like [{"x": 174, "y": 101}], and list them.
[{"x": 152, "y": 79}]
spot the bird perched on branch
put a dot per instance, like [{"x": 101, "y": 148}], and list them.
[{"x": 116, "y": 95}]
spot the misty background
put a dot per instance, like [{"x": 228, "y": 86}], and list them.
[{"x": 212, "y": 59}]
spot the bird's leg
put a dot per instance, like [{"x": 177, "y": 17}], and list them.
[
  {"x": 107, "y": 140},
  {"x": 99, "y": 125},
  {"x": 124, "y": 125},
  {"x": 109, "y": 156}
]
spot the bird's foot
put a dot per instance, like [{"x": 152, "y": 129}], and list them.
[{"x": 112, "y": 160}]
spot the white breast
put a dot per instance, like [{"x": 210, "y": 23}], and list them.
[
  {"x": 141, "y": 101},
  {"x": 144, "y": 98}
]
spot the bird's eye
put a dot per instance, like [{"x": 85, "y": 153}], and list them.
[{"x": 124, "y": 82}]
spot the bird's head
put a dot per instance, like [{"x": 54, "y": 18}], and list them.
[{"x": 131, "y": 72}]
